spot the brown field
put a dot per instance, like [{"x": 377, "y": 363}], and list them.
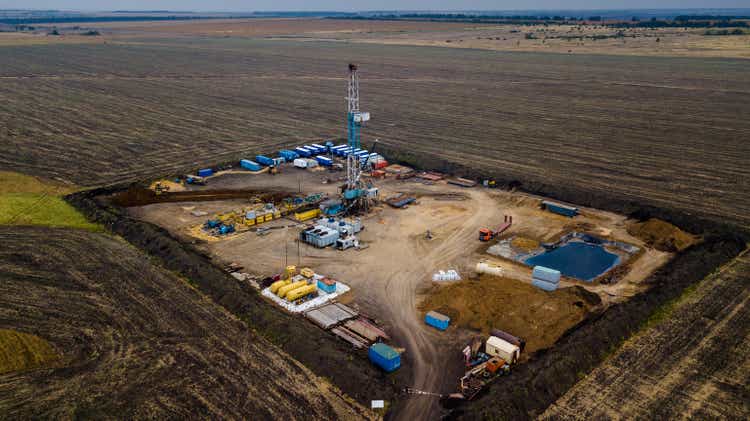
[
  {"x": 554, "y": 38},
  {"x": 138, "y": 342},
  {"x": 691, "y": 364},
  {"x": 97, "y": 114}
]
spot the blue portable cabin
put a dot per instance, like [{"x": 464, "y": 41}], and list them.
[
  {"x": 205, "y": 172},
  {"x": 301, "y": 151},
  {"x": 324, "y": 161},
  {"x": 314, "y": 149},
  {"x": 288, "y": 155},
  {"x": 437, "y": 320},
  {"x": 327, "y": 287},
  {"x": 560, "y": 209},
  {"x": 345, "y": 151},
  {"x": 320, "y": 148},
  {"x": 361, "y": 153},
  {"x": 250, "y": 165},
  {"x": 384, "y": 357},
  {"x": 337, "y": 149},
  {"x": 264, "y": 160}
]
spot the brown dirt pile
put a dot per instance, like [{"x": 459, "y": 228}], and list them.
[
  {"x": 492, "y": 302},
  {"x": 524, "y": 243},
  {"x": 661, "y": 235}
]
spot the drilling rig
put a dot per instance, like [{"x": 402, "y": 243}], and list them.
[{"x": 354, "y": 190}]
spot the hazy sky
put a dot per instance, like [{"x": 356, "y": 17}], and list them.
[{"x": 353, "y": 5}]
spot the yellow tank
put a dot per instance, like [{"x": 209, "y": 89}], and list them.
[
  {"x": 277, "y": 214},
  {"x": 260, "y": 219},
  {"x": 307, "y": 272},
  {"x": 250, "y": 222},
  {"x": 292, "y": 286},
  {"x": 290, "y": 271},
  {"x": 300, "y": 292},
  {"x": 278, "y": 284},
  {"x": 269, "y": 216},
  {"x": 304, "y": 216}
]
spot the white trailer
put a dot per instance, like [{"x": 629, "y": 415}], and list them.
[{"x": 497, "y": 347}]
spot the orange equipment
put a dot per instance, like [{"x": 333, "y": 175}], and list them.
[{"x": 486, "y": 234}]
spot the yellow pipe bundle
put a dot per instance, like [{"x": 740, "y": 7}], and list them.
[
  {"x": 286, "y": 288},
  {"x": 300, "y": 292},
  {"x": 278, "y": 284}
]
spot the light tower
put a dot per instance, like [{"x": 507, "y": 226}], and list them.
[{"x": 355, "y": 118}]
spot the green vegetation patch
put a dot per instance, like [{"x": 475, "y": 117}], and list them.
[
  {"x": 22, "y": 351},
  {"x": 26, "y": 200}
]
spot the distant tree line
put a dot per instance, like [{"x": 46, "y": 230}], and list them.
[{"x": 690, "y": 21}]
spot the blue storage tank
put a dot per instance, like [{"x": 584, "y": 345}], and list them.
[
  {"x": 542, "y": 284},
  {"x": 322, "y": 160},
  {"x": 264, "y": 160},
  {"x": 205, "y": 172},
  {"x": 288, "y": 155},
  {"x": 303, "y": 152},
  {"x": 546, "y": 274},
  {"x": 437, "y": 320},
  {"x": 250, "y": 165},
  {"x": 384, "y": 357}
]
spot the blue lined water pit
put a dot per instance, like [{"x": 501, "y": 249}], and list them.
[
  {"x": 579, "y": 260},
  {"x": 576, "y": 255}
]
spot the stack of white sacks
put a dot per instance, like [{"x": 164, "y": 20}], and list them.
[{"x": 446, "y": 275}]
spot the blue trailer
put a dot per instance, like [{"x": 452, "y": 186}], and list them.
[
  {"x": 250, "y": 165},
  {"x": 264, "y": 160},
  {"x": 384, "y": 357},
  {"x": 205, "y": 172},
  {"x": 437, "y": 320}
]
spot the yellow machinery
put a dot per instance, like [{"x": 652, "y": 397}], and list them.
[
  {"x": 304, "y": 216},
  {"x": 290, "y": 271},
  {"x": 283, "y": 291},
  {"x": 307, "y": 272},
  {"x": 301, "y": 292},
  {"x": 278, "y": 284}
]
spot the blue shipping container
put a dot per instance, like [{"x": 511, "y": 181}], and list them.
[
  {"x": 250, "y": 165},
  {"x": 205, "y": 172},
  {"x": 437, "y": 320},
  {"x": 384, "y": 357},
  {"x": 560, "y": 209},
  {"x": 264, "y": 160},
  {"x": 546, "y": 274}
]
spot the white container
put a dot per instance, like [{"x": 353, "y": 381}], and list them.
[
  {"x": 311, "y": 163},
  {"x": 300, "y": 163},
  {"x": 497, "y": 347}
]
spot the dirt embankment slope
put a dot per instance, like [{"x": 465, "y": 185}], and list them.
[
  {"x": 138, "y": 342},
  {"x": 693, "y": 364}
]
